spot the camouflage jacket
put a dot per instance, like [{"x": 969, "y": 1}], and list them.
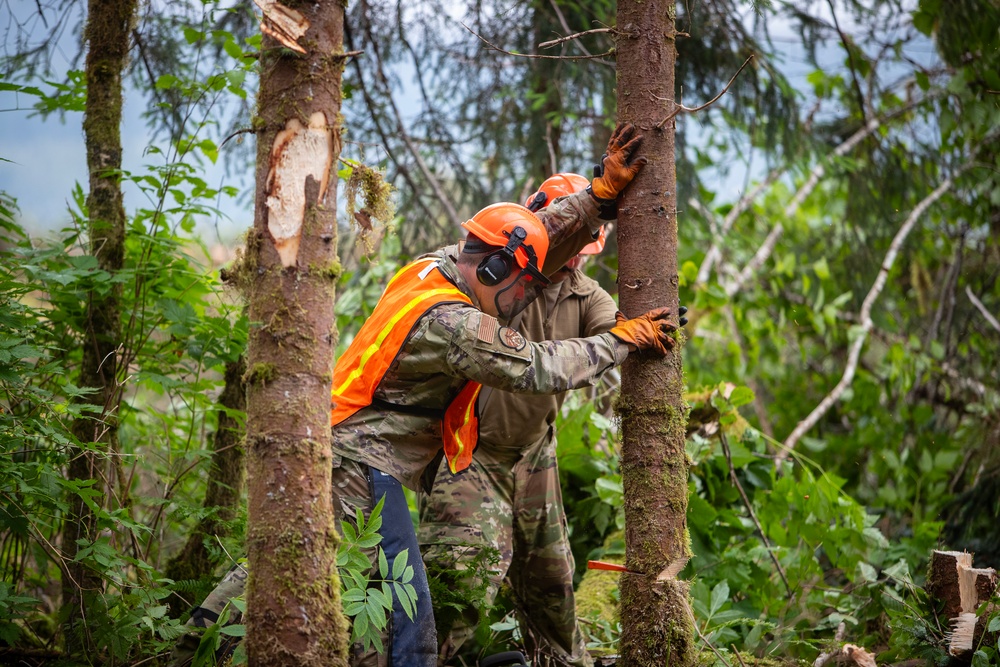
[{"x": 400, "y": 432}]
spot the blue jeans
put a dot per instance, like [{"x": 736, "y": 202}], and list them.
[{"x": 412, "y": 643}]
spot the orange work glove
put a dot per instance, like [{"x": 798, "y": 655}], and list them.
[
  {"x": 620, "y": 164},
  {"x": 646, "y": 332}
]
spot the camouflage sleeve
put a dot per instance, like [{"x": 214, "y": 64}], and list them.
[
  {"x": 567, "y": 215},
  {"x": 480, "y": 349}
]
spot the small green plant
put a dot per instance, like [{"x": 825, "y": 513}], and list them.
[{"x": 366, "y": 596}]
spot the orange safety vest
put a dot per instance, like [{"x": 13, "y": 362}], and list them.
[{"x": 415, "y": 289}]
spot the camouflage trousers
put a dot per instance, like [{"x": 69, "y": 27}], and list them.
[
  {"x": 354, "y": 484},
  {"x": 510, "y": 502}
]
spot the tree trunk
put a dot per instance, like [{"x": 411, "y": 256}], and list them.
[
  {"x": 655, "y": 612},
  {"x": 293, "y": 597},
  {"x": 222, "y": 498},
  {"x": 107, "y": 34}
]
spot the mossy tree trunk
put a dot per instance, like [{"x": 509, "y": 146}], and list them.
[
  {"x": 222, "y": 498},
  {"x": 656, "y": 621},
  {"x": 109, "y": 23},
  {"x": 294, "y": 615}
]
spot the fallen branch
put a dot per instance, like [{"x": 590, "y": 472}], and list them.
[
  {"x": 865, "y": 318},
  {"x": 683, "y": 109},
  {"x": 838, "y": 637},
  {"x": 539, "y": 56}
]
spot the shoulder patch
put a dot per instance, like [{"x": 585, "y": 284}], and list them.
[
  {"x": 512, "y": 339},
  {"x": 487, "y": 329}
]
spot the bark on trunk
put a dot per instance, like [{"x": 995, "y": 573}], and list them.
[
  {"x": 655, "y": 613},
  {"x": 107, "y": 34},
  {"x": 225, "y": 484},
  {"x": 293, "y": 597}
]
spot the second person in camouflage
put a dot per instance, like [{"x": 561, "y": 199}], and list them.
[{"x": 509, "y": 499}]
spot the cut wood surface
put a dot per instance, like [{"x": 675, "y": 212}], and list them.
[{"x": 963, "y": 589}]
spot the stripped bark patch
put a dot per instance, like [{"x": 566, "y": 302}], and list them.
[
  {"x": 298, "y": 152},
  {"x": 282, "y": 23}
]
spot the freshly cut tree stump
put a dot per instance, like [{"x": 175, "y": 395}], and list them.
[
  {"x": 963, "y": 589},
  {"x": 942, "y": 579}
]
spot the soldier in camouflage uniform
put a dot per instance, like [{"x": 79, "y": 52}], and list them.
[
  {"x": 456, "y": 344},
  {"x": 509, "y": 499}
]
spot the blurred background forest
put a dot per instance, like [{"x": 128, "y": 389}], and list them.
[{"x": 839, "y": 221}]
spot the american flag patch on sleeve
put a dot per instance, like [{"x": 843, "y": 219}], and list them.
[{"x": 488, "y": 326}]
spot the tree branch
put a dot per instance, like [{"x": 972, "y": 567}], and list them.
[
  {"x": 606, "y": 54},
  {"x": 982, "y": 309},
  {"x": 578, "y": 35},
  {"x": 753, "y": 515},
  {"x": 565, "y": 25},
  {"x": 370, "y": 103},
  {"x": 865, "y": 318},
  {"x": 680, "y": 108},
  {"x": 850, "y": 61},
  {"x": 421, "y": 165}
]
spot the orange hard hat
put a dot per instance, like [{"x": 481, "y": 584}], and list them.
[
  {"x": 597, "y": 245},
  {"x": 495, "y": 224},
  {"x": 558, "y": 185}
]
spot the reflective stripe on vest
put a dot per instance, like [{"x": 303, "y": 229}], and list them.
[{"x": 415, "y": 289}]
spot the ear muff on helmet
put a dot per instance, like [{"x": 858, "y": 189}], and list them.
[
  {"x": 557, "y": 185},
  {"x": 495, "y": 267}
]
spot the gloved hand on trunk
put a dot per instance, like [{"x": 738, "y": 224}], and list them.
[
  {"x": 650, "y": 331},
  {"x": 620, "y": 164}
]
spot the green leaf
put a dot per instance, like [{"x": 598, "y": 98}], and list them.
[
  {"x": 994, "y": 624},
  {"x": 690, "y": 271},
  {"x": 383, "y": 565},
  {"x": 354, "y": 608},
  {"x": 720, "y": 595},
  {"x": 234, "y": 630},
  {"x": 399, "y": 564},
  {"x": 379, "y": 597},
  {"x": 204, "y": 655},
  {"x": 821, "y": 268},
  {"x": 232, "y": 48},
  {"x": 353, "y": 595},
  {"x": 741, "y": 396},
  {"x": 922, "y": 80},
  {"x": 408, "y": 607},
  {"x": 192, "y": 35}
]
